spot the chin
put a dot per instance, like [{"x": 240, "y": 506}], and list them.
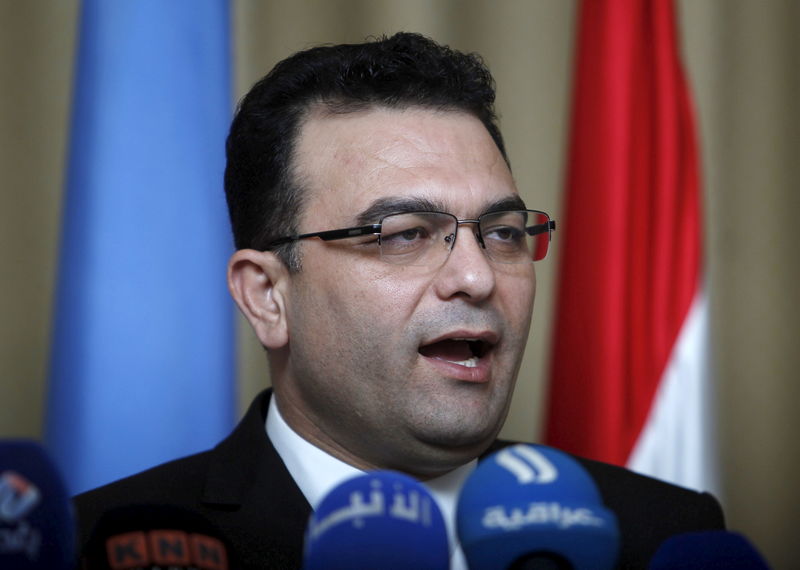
[
  {"x": 462, "y": 439},
  {"x": 436, "y": 459}
]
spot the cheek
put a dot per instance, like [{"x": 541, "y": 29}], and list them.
[
  {"x": 359, "y": 299},
  {"x": 387, "y": 293},
  {"x": 517, "y": 296},
  {"x": 529, "y": 288}
]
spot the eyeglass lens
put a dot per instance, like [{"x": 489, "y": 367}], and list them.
[{"x": 425, "y": 238}]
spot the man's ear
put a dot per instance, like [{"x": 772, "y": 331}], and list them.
[{"x": 258, "y": 282}]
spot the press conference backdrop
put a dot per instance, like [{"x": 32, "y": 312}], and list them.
[{"x": 740, "y": 58}]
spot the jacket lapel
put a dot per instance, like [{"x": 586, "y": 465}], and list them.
[{"x": 252, "y": 495}]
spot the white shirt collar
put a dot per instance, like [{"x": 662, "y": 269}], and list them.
[{"x": 316, "y": 472}]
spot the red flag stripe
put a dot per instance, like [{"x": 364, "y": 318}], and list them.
[{"x": 631, "y": 231}]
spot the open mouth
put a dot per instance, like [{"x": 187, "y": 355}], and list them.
[{"x": 462, "y": 351}]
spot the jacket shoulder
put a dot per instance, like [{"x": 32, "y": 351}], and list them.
[
  {"x": 176, "y": 482},
  {"x": 241, "y": 487}
]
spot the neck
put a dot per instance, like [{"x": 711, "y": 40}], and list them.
[{"x": 431, "y": 463}]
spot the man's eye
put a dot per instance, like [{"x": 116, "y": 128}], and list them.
[
  {"x": 504, "y": 234},
  {"x": 406, "y": 242},
  {"x": 409, "y": 235}
]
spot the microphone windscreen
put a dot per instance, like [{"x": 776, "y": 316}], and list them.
[
  {"x": 525, "y": 506},
  {"x": 37, "y": 527},
  {"x": 379, "y": 520},
  {"x": 156, "y": 537},
  {"x": 710, "y": 550}
]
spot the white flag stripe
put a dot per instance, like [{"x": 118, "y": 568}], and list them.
[{"x": 677, "y": 443}]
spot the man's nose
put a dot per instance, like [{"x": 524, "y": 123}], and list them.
[{"x": 467, "y": 271}]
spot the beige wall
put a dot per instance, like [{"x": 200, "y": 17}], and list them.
[
  {"x": 36, "y": 42},
  {"x": 741, "y": 58}
]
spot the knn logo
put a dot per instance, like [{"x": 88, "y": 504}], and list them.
[
  {"x": 170, "y": 548},
  {"x": 18, "y": 496},
  {"x": 527, "y": 465}
]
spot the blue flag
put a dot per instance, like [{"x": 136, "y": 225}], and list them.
[{"x": 142, "y": 361}]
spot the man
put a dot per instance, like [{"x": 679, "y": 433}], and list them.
[{"x": 385, "y": 261}]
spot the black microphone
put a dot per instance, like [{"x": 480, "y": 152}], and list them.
[
  {"x": 381, "y": 521},
  {"x": 156, "y": 537},
  {"x": 528, "y": 507},
  {"x": 37, "y": 527},
  {"x": 707, "y": 550}
]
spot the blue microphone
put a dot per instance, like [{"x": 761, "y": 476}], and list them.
[
  {"x": 379, "y": 520},
  {"x": 37, "y": 527},
  {"x": 531, "y": 506},
  {"x": 707, "y": 550}
]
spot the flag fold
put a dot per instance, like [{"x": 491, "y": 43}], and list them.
[
  {"x": 142, "y": 358},
  {"x": 631, "y": 268}
]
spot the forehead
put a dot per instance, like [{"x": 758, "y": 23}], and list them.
[{"x": 347, "y": 162}]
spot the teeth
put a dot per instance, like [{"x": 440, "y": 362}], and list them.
[{"x": 469, "y": 363}]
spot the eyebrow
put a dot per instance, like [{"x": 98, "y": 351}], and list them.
[
  {"x": 383, "y": 207},
  {"x": 514, "y": 202}
]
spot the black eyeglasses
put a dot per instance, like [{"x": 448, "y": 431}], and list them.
[{"x": 426, "y": 238}]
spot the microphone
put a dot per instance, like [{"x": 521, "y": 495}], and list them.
[
  {"x": 37, "y": 528},
  {"x": 529, "y": 506},
  {"x": 707, "y": 550},
  {"x": 380, "y": 520},
  {"x": 156, "y": 537}
]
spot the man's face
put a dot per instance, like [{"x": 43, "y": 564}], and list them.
[{"x": 380, "y": 368}]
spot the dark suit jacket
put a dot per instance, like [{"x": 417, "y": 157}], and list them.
[{"x": 244, "y": 489}]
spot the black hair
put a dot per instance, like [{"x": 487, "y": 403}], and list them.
[{"x": 402, "y": 71}]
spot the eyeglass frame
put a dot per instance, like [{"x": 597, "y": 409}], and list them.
[{"x": 355, "y": 231}]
